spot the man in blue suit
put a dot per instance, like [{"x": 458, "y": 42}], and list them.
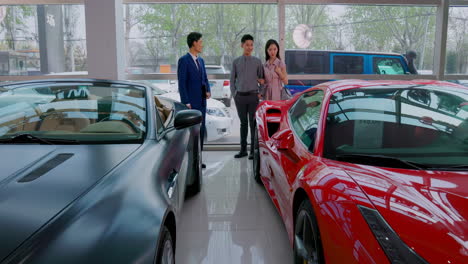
[{"x": 194, "y": 88}]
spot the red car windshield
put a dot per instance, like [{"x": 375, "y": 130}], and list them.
[{"x": 426, "y": 126}]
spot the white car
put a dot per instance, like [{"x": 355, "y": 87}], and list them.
[
  {"x": 169, "y": 86},
  {"x": 218, "y": 119},
  {"x": 220, "y": 88}
]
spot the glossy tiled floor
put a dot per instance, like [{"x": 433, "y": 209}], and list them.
[{"x": 232, "y": 220}]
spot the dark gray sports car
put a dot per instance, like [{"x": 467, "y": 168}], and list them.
[{"x": 93, "y": 171}]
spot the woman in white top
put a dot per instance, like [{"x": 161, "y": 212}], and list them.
[{"x": 275, "y": 72}]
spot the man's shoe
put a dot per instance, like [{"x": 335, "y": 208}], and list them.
[
  {"x": 240, "y": 154},
  {"x": 251, "y": 156},
  {"x": 203, "y": 165}
]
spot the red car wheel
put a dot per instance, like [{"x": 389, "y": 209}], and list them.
[{"x": 307, "y": 243}]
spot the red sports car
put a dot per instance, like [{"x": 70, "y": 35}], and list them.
[{"x": 369, "y": 171}]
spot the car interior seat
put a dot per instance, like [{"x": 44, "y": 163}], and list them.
[
  {"x": 164, "y": 112},
  {"x": 53, "y": 120},
  {"x": 112, "y": 126}
]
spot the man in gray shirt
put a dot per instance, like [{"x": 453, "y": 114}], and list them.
[{"x": 246, "y": 75}]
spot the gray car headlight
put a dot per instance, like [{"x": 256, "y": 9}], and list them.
[
  {"x": 395, "y": 249},
  {"x": 215, "y": 112}
]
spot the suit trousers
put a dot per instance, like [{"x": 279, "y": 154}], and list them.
[
  {"x": 246, "y": 106},
  {"x": 203, "y": 126}
]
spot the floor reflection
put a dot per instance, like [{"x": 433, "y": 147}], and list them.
[{"x": 232, "y": 220}]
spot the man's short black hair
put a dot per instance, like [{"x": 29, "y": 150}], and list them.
[
  {"x": 246, "y": 37},
  {"x": 192, "y": 37}
]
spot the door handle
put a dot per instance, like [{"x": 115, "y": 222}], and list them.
[
  {"x": 172, "y": 176},
  {"x": 172, "y": 183}
]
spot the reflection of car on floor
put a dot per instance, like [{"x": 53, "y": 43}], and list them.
[
  {"x": 218, "y": 118},
  {"x": 369, "y": 171},
  {"x": 220, "y": 89},
  {"x": 93, "y": 166}
]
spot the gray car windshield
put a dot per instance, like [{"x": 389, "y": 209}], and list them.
[
  {"x": 421, "y": 126},
  {"x": 79, "y": 112}
]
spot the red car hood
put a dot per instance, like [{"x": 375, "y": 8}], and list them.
[{"x": 427, "y": 209}]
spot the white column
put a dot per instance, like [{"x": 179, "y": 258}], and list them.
[
  {"x": 440, "y": 48},
  {"x": 282, "y": 27},
  {"x": 105, "y": 39}
]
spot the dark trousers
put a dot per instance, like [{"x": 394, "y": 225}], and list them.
[
  {"x": 203, "y": 127},
  {"x": 246, "y": 106}
]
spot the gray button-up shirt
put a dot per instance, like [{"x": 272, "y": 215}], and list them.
[{"x": 246, "y": 70}]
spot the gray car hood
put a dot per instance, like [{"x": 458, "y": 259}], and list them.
[{"x": 38, "y": 181}]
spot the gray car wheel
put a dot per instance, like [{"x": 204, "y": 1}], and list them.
[{"x": 166, "y": 248}]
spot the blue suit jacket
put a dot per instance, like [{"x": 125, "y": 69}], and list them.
[{"x": 191, "y": 81}]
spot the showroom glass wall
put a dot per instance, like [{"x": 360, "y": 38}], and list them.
[
  {"x": 155, "y": 38},
  {"x": 395, "y": 29},
  {"x": 153, "y": 34},
  {"x": 42, "y": 40},
  {"x": 457, "y": 41}
]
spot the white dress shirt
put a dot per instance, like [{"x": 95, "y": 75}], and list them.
[{"x": 194, "y": 59}]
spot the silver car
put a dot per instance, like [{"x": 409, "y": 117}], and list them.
[{"x": 220, "y": 88}]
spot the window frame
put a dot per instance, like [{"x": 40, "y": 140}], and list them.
[
  {"x": 159, "y": 119},
  {"x": 439, "y": 63},
  {"x": 290, "y": 121}
]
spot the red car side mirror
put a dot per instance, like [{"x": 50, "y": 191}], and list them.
[{"x": 284, "y": 139}]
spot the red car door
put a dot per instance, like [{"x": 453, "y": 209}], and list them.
[
  {"x": 270, "y": 158},
  {"x": 294, "y": 146}
]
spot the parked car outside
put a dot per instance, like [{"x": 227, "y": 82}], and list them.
[
  {"x": 369, "y": 171},
  {"x": 169, "y": 86},
  {"x": 220, "y": 89},
  {"x": 93, "y": 171},
  {"x": 339, "y": 62},
  {"x": 218, "y": 118}
]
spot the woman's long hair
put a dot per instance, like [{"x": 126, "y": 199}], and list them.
[{"x": 268, "y": 44}]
